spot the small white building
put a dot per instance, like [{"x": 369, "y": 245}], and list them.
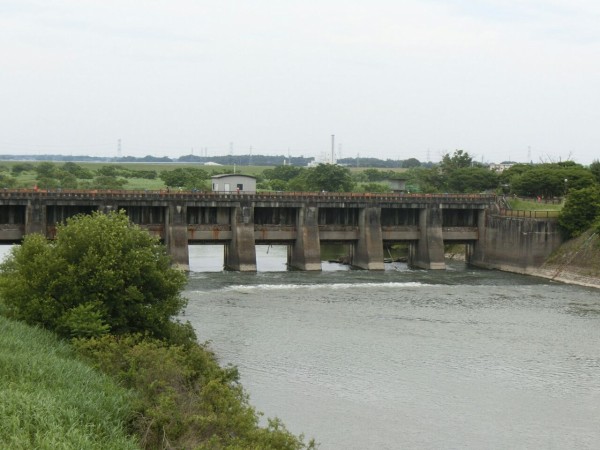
[
  {"x": 233, "y": 183},
  {"x": 397, "y": 184}
]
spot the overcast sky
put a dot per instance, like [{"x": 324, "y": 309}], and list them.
[{"x": 501, "y": 79}]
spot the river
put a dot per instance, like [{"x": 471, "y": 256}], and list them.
[{"x": 462, "y": 358}]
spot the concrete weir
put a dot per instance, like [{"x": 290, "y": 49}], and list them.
[{"x": 301, "y": 221}]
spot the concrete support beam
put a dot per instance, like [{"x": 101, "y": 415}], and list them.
[
  {"x": 305, "y": 253},
  {"x": 176, "y": 239},
  {"x": 36, "y": 217},
  {"x": 368, "y": 250},
  {"x": 240, "y": 253},
  {"x": 428, "y": 251},
  {"x": 476, "y": 250}
]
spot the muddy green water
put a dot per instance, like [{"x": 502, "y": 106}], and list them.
[{"x": 462, "y": 358}]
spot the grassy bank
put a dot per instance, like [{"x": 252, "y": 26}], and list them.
[
  {"x": 530, "y": 205},
  {"x": 49, "y": 399}
]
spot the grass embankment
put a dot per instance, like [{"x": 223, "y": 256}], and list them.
[
  {"x": 49, "y": 399},
  {"x": 530, "y": 205}
]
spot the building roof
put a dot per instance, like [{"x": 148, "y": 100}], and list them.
[{"x": 223, "y": 175}]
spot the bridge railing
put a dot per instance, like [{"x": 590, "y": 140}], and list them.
[
  {"x": 531, "y": 214},
  {"x": 270, "y": 195}
]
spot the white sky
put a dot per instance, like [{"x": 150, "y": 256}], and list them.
[{"x": 395, "y": 79}]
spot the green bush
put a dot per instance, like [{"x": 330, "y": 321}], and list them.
[
  {"x": 581, "y": 210},
  {"x": 186, "y": 400},
  {"x": 100, "y": 274}
]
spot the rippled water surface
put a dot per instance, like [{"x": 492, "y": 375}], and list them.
[{"x": 409, "y": 359}]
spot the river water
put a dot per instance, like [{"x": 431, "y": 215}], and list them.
[{"x": 462, "y": 358}]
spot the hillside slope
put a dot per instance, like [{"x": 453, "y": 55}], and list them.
[{"x": 576, "y": 261}]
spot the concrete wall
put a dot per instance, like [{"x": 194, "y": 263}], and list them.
[{"x": 515, "y": 244}]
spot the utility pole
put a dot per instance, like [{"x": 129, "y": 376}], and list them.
[{"x": 119, "y": 148}]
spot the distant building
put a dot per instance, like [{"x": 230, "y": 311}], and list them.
[
  {"x": 233, "y": 183},
  {"x": 501, "y": 167},
  {"x": 397, "y": 184}
]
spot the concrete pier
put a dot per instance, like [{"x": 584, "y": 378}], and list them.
[
  {"x": 305, "y": 252},
  {"x": 176, "y": 236},
  {"x": 368, "y": 249},
  {"x": 428, "y": 251},
  {"x": 240, "y": 253}
]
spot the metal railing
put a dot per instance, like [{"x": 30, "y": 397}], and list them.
[
  {"x": 194, "y": 195},
  {"x": 530, "y": 214}
]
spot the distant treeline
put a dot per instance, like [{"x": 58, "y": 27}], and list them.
[{"x": 242, "y": 160}]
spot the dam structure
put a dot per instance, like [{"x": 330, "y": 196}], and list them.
[{"x": 239, "y": 221}]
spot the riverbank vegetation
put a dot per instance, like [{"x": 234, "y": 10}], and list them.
[
  {"x": 49, "y": 399},
  {"x": 107, "y": 285},
  {"x": 535, "y": 205}
]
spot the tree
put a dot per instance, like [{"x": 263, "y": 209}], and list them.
[
  {"x": 284, "y": 173},
  {"x": 329, "y": 177},
  {"x": 595, "y": 169},
  {"x": 300, "y": 182},
  {"x": 471, "y": 179},
  {"x": 189, "y": 178},
  {"x": 101, "y": 274},
  {"x": 410, "y": 163},
  {"x": 6, "y": 181},
  {"x": 77, "y": 170},
  {"x": 581, "y": 209},
  {"x": 459, "y": 159},
  {"x": 19, "y": 168},
  {"x": 375, "y": 187},
  {"x": 379, "y": 175},
  {"x": 107, "y": 182},
  {"x": 426, "y": 180},
  {"x": 549, "y": 180}
]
